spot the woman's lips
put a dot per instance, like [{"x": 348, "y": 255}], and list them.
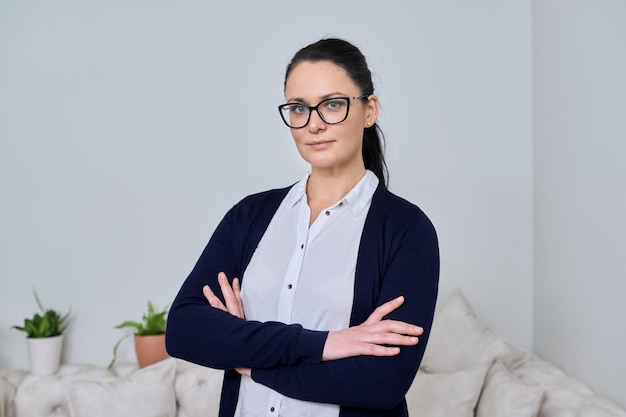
[{"x": 321, "y": 144}]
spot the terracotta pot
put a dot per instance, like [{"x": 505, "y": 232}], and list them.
[
  {"x": 150, "y": 349},
  {"x": 44, "y": 354}
]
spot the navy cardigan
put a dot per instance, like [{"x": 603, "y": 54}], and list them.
[{"x": 398, "y": 255}]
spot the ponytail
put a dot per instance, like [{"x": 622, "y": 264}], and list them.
[{"x": 374, "y": 153}]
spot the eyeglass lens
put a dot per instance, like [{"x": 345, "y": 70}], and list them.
[{"x": 331, "y": 111}]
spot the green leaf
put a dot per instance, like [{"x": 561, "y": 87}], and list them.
[
  {"x": 115, "y": 351},
  {"x": 133, "y": 324},
  {"x": 51, "y": 323},
  {"x": 152, "y": 322}
]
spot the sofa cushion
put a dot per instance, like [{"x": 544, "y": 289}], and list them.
[
  {"x": 445, "y": 394},
  {"x": 506, "y": 395},
  {"x": 147, "y": 392},
  {"x": 459, "y": 340},
  {"x": 565, "y": 396},
  {"x": 197, "y": 389},
  {"x": 7, "y": 391},
  {"x": 41, "y": 395}
]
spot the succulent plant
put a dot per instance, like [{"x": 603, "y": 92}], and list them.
[{"x": 47, "y": 324}]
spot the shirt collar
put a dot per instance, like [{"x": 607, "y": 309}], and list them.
[
  {"x": 298, "y": 192},
  {"x": 357, "y": 199}
]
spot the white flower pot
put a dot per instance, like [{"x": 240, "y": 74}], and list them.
[{"x": 44, "y": 354}]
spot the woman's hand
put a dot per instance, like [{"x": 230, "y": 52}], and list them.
[
  {"x": 369, "y": 337},
  {"x": 234, "y": 304},
  {"x": 232, "y": 296}
]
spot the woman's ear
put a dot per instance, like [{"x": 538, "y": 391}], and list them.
[{"x": 371, "y": 110}]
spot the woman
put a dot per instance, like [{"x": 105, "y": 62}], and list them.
[{"x": 338, "y": 276}]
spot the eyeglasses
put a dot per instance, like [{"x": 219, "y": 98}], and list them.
[{"x": 332, "y": 111}]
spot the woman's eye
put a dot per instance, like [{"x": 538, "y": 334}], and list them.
[
  {"x": 335, "y": 104},
  {"x": 298, "y": 108}
]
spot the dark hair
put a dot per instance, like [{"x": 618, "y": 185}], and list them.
[{"x": 350, "y": 58}]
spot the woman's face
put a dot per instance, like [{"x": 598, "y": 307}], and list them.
[{"x": 334, "y": 148}]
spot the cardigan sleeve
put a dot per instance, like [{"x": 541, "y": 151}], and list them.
[
  {"x": 408, "y": 265},
  {"x": 199, "y": 333}
]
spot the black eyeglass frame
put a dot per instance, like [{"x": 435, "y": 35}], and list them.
[{"x": 311, "y": 108}]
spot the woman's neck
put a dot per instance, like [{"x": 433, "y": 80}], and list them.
[{"x": 324, "y": 189}]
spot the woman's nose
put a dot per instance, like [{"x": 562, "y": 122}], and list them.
[{"x": 315, "y": 122}]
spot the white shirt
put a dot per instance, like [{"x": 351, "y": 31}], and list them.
[{"x": 301, "y": 274}]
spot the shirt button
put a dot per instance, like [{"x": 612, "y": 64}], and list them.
[
  {"x": 327, "y": 213},
  {"x": 302, "y": 246},
  {"x": 272, "y": 409},
  {"x": 341, "y": 204},
  {"x": 289, "y": 286}
]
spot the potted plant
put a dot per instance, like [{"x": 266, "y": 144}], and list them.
[
  {"x": 149, "y": 336},
  {"x": 45, "y": 338}
]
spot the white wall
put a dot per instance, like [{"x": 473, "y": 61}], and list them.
[
  {"x": 129, "y": 128},
  {"x": 580, "y": 189}
]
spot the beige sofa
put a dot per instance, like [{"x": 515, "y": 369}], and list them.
[{"x": 468, "y": 370}]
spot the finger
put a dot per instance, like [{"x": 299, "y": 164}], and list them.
[
  {"x": 231, "y": 295},
  {"x": 237, "y": 291},
  {"x": 213, "y": 300},
  {"x": 393, "y": 339},
  {"x": 385, "y": 333},
  {"x": 395, "y": 326},
  {"x": 244, "y": 371},
  {"x": 386, "y": 308},
  {"x": 227, "y": 291},
  {"x": 378, "y": 350}
]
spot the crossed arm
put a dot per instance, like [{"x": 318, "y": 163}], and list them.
[
  {"x": 374, "y": 337},
  {"x": 371, "y": 364}
]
